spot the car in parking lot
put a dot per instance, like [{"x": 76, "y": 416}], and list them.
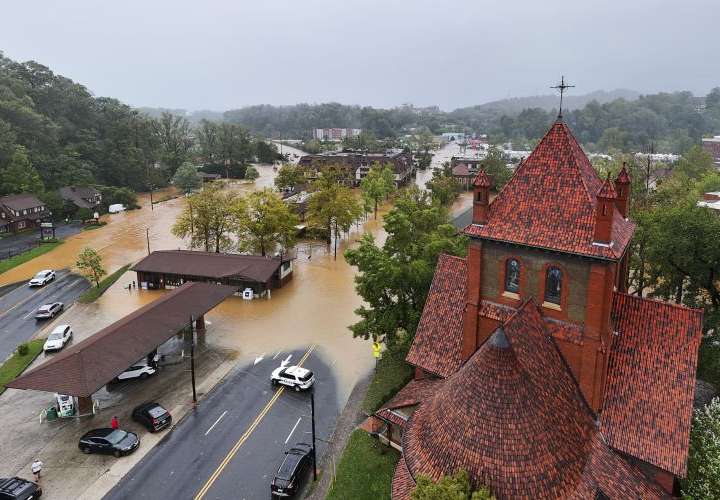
[
  {"x": 60, "y": 336},
  {"x": 136, "y": 371},
  {"x": 42, "y": 278},
  {"x": 153, "y": 416},
  {"x": 293, "y": 376},
  {"x": 16, "y": 488},
  {"x": 49, "y": 311},
  {"x": 291, "y": 471},
  {"x": 109, "y": 442}
]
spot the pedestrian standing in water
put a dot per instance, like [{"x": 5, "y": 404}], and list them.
[
  {"x": 114, "y": 423},
  {"x": 36, "y": 468}
]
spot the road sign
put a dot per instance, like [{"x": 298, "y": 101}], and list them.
[{"x": 376, "y": 349}]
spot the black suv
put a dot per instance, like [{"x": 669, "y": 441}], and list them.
[
  {"x": 291, "y": 471},
  {"x": 15, "y": 488},
  {"x": 153, "y": 416}
]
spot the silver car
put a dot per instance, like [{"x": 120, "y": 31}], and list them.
[{"x": 49, "y": 311}]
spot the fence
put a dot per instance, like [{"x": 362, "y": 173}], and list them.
[{"x": 8, "y": 253}]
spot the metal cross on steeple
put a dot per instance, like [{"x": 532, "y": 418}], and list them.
[{"x": 562, "y": 86}]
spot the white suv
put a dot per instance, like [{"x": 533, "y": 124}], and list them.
[
  {"x": 293, "y": 376},
  {"x": 60, "y": 336},
  {"x": 42, "y": 278}
]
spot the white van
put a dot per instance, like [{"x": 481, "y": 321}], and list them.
[{"x": 115, "y": 208}]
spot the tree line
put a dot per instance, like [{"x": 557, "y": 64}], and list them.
[
  {"x": 673, "y": 121},
  {"x": 54, "y": 133}
]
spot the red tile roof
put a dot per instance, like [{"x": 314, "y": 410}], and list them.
[
  {"x": 513, "y": 417},
  {"x": 651, "y": 380},
  {"x": 607, "y": 190},
  {"x": 402, "y": 484},
  {"x": 550, "y": 202},
  {"x": 438, "y": 339},
  {"x": 482, "y": 180},
  {"x": 415, "y": 392},
  {"x": 623, "y": 177}
]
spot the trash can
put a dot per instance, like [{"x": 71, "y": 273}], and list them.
[{"x": 52, "y": 414}]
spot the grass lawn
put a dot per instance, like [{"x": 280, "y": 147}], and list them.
[
  {"x": 391, "y": 375},
  {"x": 95, "y": 292},
  {"x": 17, "y": 364},
  {"x": 365, "y": 470},
  {"x": 92, "y": 227},
  {"x": 29, "y": 255}
]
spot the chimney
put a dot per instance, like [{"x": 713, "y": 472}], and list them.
[
  {"x": 481, "y": 198},
  {"x": 622, "y": 187},
  {"x": 472, "y": 299},
  {"x": 604, "y": 209}
]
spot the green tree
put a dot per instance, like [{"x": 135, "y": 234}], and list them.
[
  {"x": 89, "y": 263},
  {"x": 496, "y": 167},
  {"x": 454, "y": 487},
  {"x": 265, "y": 152},
  {"x": 703, "y": 475},
  {"x": 332, "y": 207},
  {"x": 186, "y": 178},
  {"x": 19, "y": 176},
  {"x": 266, "y": 224},
  {"x": 423, "y": 142},
  {"x": 209, "y": 217},
  {"x": 443, "y": 187},
  {"x": 289, "y": 176},
  {"x": 173, "y": 135},
  {"x": 377, "y": 184},
  {"x": 251, "y": 173},
  {"x": 394, "y": 279},
  {"x": 695, "y": 163}
]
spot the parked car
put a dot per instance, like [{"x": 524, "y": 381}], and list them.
[
  {"x": 109, "y": 441},
  {"x": 42, "y": 278},
  {"x": 136, "y": 371},
  {"x": 153, "y": 416},
  {"x": 293, "y": 376},
  {"x": 60, "y": 336},
  {"x": 291, "y": 471},
  {"x": 15, "y": 488},
  {"x": 49, "y": 311}
]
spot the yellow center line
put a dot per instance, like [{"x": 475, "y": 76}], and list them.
[{"x": 203, "y": 491}]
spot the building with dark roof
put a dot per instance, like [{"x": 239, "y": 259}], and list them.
[
  {"x": 171, "y": 268},
  {"x": 535, "y": 371},
  {"x": 81, "y": 196},
  {"x": 354, "y": 165},
  {"x": 21, "y": 211},
  {"x": 712, "y": 146}
]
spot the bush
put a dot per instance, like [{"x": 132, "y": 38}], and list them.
[
  {"x": 23, "y": 349},
  {"x": 703, "y": 476}
]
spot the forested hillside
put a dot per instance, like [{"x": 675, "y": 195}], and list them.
[
  {"x": 671, "y": 120},
  {"x": 54, "y": 132}
]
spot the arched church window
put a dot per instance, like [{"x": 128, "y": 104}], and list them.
[
  {"x": 512, "y": 276},
  {"x": 553, "y": 285}
]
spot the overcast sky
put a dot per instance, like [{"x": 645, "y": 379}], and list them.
[{"x": 222, "y": 54}]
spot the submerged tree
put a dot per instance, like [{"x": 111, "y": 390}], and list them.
[
  {"x": 208, "y": 218},
  {"x": 266, "y": 223},
  {"x": 377, "y": 185},
  {"x": 186, "y": 178},
  {"x": 90, "y": 264}
]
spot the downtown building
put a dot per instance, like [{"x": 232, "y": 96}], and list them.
[
  {"x": 335, "y": 134},
  {"x": 353, "y": 166},
  {"x": 535, "y": 370}
]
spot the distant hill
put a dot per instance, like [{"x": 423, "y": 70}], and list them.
[
  {"x": 515, "y": 105},
  {"x": 193, "y": 117}
]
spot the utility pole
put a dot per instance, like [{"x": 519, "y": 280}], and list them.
[
  {"x": 192, "y": 359},
  {"x": 147, "y": 237},
  {"x": 312, "y": 417},
  {"x": 152, "y": 205}
]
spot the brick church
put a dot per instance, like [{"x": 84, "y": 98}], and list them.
[{"x": 535, "y": 371}]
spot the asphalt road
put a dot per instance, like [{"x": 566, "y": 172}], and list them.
[
  {"x": 18, "y": 242},
  {"x": 232, "y": 444},
  {"x": 18, "y": 307}
]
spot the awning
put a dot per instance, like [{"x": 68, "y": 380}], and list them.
[{"x": 82, "y": 369}]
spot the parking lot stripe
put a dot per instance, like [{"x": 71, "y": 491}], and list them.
[
  {"x": 293, "y": 430},
  {"x": 203, "y": 491},
  {"x": 216, "y": 422}
]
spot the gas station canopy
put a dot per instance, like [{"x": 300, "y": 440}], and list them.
[{"x": 82, "y": 369}]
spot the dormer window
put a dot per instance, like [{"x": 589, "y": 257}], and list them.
[
  {"x": 553, "y": 285},
  {"x": 480, "y": 198},
  {"x": 512, "y": 276}
]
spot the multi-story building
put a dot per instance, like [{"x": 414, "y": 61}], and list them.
[
  {"x": 535, "y": 371},
  {"x": 21, "y": 211},
  {"x": 355, "y": 165},
  {"x": 335, "y": 134},
  {"x": 712, "y": 146}
]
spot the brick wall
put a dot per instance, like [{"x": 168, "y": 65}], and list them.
[{"x": 533, "y": 262}]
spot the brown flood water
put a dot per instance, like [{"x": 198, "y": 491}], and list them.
[{"x": 315, "y": 307}]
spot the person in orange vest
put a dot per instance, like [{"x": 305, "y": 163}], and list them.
[{"x": 114, "y": 423}]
